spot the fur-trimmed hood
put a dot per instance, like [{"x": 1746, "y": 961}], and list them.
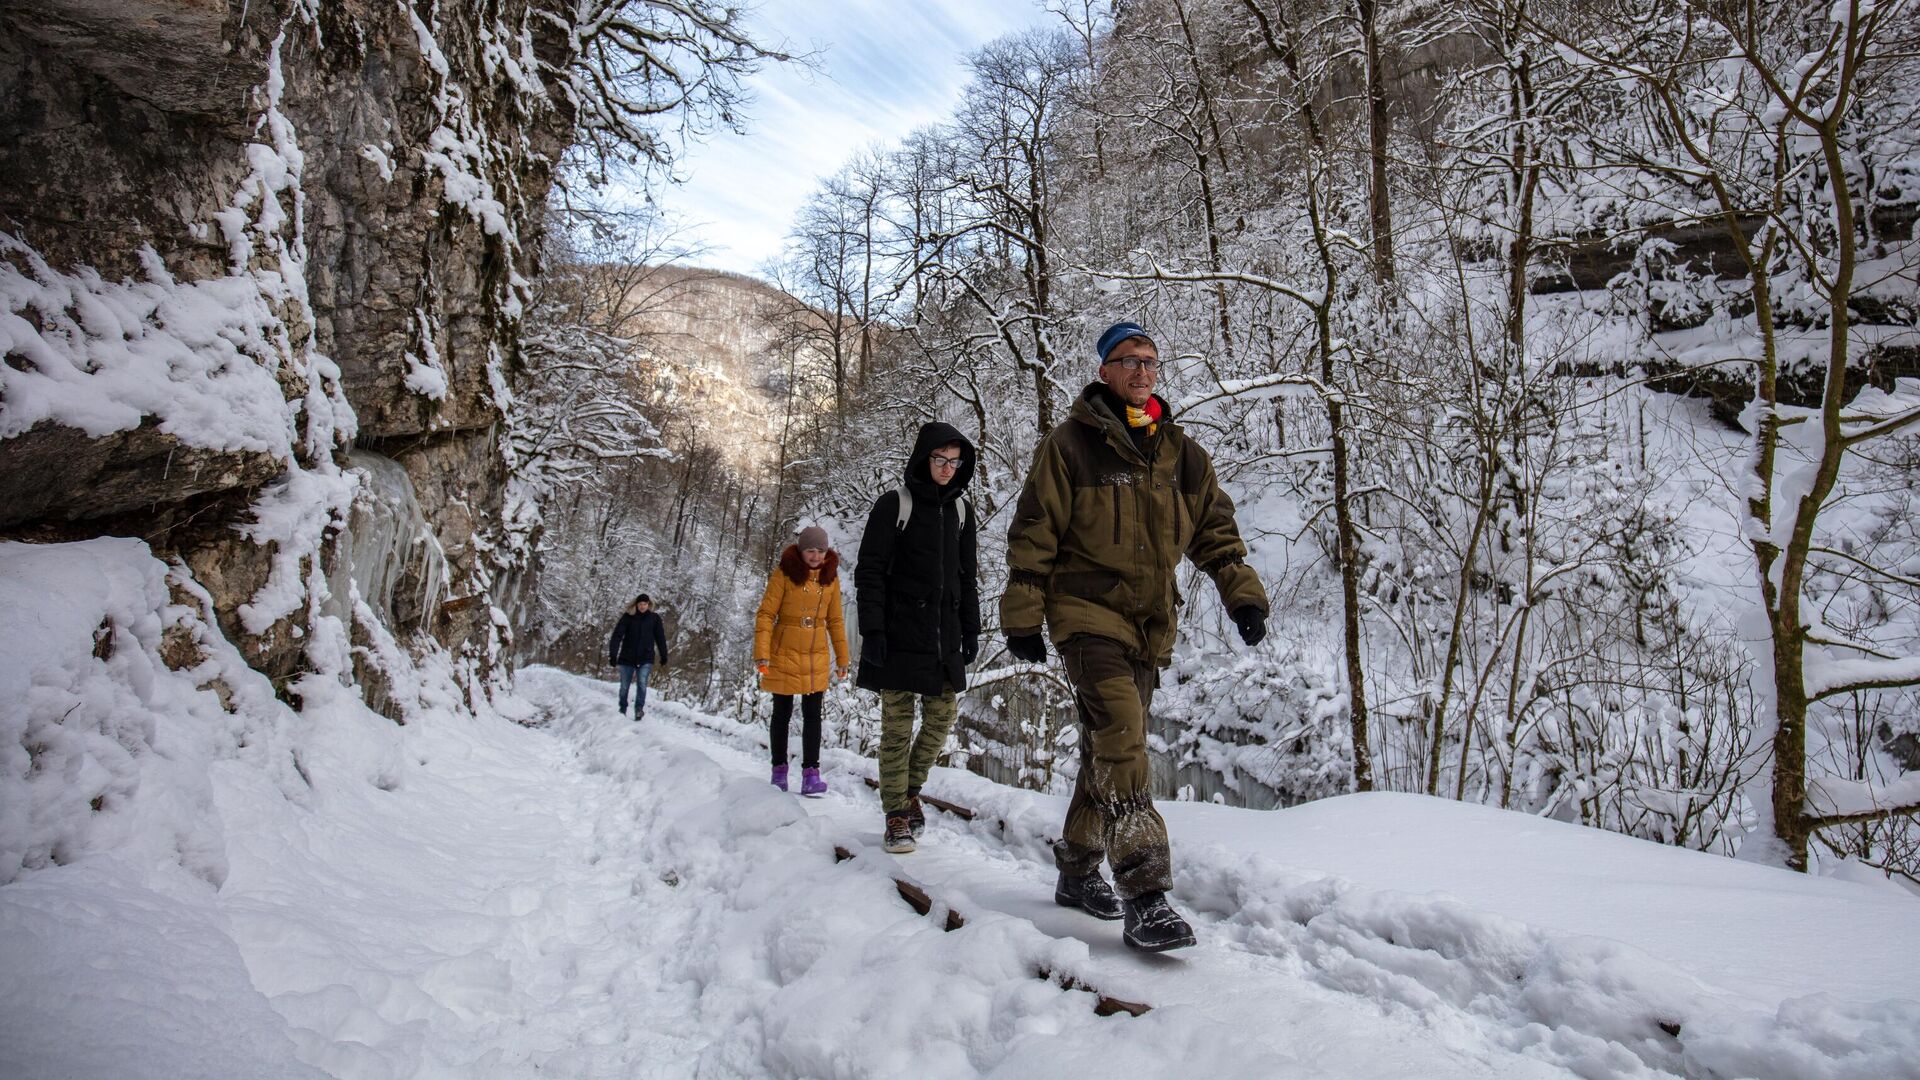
[{"x": 795, "y": 567}]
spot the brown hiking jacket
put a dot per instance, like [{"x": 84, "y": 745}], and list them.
[{"x": 1100, "y": 528}]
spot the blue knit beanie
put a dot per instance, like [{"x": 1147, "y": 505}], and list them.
[{"x": 1118, "y": 333}]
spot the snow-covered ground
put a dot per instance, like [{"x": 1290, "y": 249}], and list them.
[{"x": 327, "y": 893}]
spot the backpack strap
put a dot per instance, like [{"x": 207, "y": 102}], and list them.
[{"x": 905, "y": 509}]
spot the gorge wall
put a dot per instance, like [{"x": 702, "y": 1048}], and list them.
[{"x": 263, "y": 265}]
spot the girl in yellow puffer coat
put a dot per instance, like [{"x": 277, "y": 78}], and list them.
[{"x": 799, "y": 618}]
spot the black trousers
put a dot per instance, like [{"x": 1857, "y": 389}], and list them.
[{"x": 809, "y": 728}]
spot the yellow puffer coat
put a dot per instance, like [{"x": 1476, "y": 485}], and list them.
[{"x": 799, "y": 616}]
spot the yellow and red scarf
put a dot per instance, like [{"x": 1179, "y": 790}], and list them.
[{"x": 1148, "y": 417}]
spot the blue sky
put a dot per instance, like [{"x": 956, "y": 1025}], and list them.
[{"x": 881, "y": 69}]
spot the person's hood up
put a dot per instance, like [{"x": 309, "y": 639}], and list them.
[{"x": 932, "y": 437}]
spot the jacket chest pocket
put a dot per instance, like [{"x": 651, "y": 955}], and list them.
[
  {"x": 1179, "y": 515},
  {"x": 1172, "y": 513},
  {"x": 1102, "y": 521}
]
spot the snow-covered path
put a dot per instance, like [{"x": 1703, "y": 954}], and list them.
[
  {"x": 808, "y": 967},
  {"x": 465, "y": 897}
]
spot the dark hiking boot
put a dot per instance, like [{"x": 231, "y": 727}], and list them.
[
  {"x": 916, "y": 815},
  {"x": 1090, "y": 894},
  {"x": 1152, "y": 926},
  {"x": 899, "y": 838}
]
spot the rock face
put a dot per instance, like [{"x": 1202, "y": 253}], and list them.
[{"x": 373, "y": 181}]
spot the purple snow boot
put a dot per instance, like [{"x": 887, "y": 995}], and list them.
[
  {"x": 811, "y": 784},
  {"x": 780, "y": 777}
]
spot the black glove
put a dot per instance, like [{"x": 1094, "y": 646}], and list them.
[
  {"x": 1252, "y": 623},
  {"x": 873, "y": 649},
  {"x": 1031, "y": 648},
  {"x": 970, "y": 648}
]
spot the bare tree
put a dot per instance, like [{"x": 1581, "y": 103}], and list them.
[{"x": 642, "y": 76}]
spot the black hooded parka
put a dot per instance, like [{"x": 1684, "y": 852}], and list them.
[{"x": 917, "y": 588}]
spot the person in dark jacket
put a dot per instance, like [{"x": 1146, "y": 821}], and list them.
[
  {"x": 1117, "y": 496},
  {"x": 638, "y": 637},
  {"x": 919, "y": 600}
]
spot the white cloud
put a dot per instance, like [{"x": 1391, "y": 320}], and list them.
[{"x": 884, "y": 68}]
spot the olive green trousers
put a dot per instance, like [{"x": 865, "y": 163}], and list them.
[{"x": 1111, "y": 814}]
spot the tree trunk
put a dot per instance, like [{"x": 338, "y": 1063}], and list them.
[
  {"x": 1378, "y": 205},
  {"x": 1349, "y": 546},
  {"x": 1463, "y": 587},
  {"x": 1206, "y": 150},
  {"x": 1793, "y": 823}
]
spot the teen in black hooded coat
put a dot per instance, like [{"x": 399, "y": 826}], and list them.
[{"x": 917, "y": 589}]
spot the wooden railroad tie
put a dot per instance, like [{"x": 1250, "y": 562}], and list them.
[
  {"x": 919, "y": 901},
  {"x": 937, "y": 803}
]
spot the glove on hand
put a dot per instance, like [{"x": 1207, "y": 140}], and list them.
[
  {"x": 1252, "y": 623},
  {"x": 970, "y": 648},
  {"x": 1032, "y": 648},
  {"x": 873, "y": 649}
]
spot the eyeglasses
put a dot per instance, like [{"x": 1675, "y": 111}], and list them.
[
  {"x": 1131, "y": 363},
  {"x": 941, "y": 461}
]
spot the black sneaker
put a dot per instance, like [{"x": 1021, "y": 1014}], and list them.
[
  {"x": 1090, "y": 894},
  {"x": 899, "y": 837},
  {"x": 1152, "y": 926},
  {"x": 916, "y": 815}
]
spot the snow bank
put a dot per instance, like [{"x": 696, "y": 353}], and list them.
[
  {"x": 143, "y": 769},
  {"x": 1597, "y": 1006},
  {"x": 105, "y": 976},
  {"x": 119, "y": 704},
  {"x": 1598, "y": 952},
  {"x": 115, "y": 701}
]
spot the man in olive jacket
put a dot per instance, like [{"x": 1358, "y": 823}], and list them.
[{"x": 1116, "y": 495}]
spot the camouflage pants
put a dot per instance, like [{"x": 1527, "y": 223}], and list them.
[
  {"x": 1111, "y": 813},
  {"x": 906, "y": 759}
]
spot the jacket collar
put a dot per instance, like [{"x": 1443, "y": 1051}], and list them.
[
  {"x": 1095, "y": 408},
  {"x": 797, "y": 571}
]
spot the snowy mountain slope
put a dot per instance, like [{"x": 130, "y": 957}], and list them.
[{"x": 267, "y": 894}]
